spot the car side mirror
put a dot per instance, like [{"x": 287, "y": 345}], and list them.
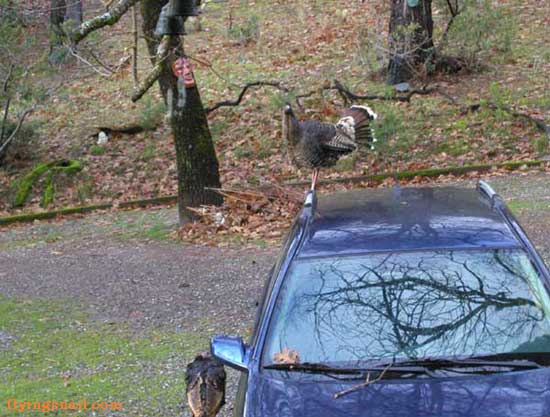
[{"x": 231, "y": 351}]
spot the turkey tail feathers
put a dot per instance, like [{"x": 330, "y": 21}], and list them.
[
  {"x": 371, "y": 114},
  {"x": 362, "y": 116}
]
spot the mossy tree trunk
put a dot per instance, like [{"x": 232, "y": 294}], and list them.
[
  {"x": 411, "y": 37},
  {"x": 150, "y": 11},
  {"x": 197, "y": 163}
]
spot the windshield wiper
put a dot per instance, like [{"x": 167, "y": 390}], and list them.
[
  {"x": 322, "y": 368},
  {"x": 483, "y": 364},
  {"x": 312, "y": 367}
]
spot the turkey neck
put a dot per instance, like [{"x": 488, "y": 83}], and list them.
[{"x": 291, "y": 129}]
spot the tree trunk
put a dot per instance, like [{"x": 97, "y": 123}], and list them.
[
  {"x": 197, "y": 163},
  {"x": 411, "y": 41},
  {"x": 150, "y": 11},
  {"x": 135, "y": 40},
  {"x": 74, "y": 12},
  {"x": 57, "y": 18}
]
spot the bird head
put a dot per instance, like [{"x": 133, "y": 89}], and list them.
[{"x": 287, "y": 110}]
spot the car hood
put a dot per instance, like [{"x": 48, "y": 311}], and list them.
[{"x": 525, "y": 394}]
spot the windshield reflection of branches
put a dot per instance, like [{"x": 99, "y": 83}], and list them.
[{"x": 421, "y": 304}]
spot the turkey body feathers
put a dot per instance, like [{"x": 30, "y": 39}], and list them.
[
  {"x": 205, "y": 379},
  {"x": 314, "y": 144}
]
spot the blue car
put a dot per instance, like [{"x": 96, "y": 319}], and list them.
[{"x": 402, "y": 302}]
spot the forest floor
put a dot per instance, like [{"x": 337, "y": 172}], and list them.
[
  {"x": 303, "y": 45},
  {"x": 112, "y": 307}
]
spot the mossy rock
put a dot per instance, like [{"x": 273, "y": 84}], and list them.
[{"x": 24, "y": 186}]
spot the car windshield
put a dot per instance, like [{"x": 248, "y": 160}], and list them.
[{"x": 409, "y": 305}]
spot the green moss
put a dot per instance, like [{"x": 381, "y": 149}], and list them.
[
  {"x": 47, "y": 197},
  {"x": 24, "y": 186},
  {"x": 29, "y": 217}
]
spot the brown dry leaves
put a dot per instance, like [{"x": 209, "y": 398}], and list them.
[
  {"x": 287, "y": 356},
  {"x": 262, "y": 214}
]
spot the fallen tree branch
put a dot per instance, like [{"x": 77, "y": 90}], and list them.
[
  {"x": 106, "y": 19},
  {"x": 539, "y": 123},
  {"x": 234, "y": 103},
  {"x": 346, "y": 94},
  {"x": 127, "y": 130},
  {"x": 426, "y": 173},
  {"x": 44, "y": 215},
  {"x": 172, "y": 199},
  {"x": 154, "y": 74},
  {"x": 338, "y": 86}
]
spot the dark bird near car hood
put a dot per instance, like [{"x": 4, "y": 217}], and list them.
[{"x": 205, "y": 378}]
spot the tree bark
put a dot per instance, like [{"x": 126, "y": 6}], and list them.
[
  {"x": 411, "y": 38},
  {"x": 57, "y": 18},
  {"x": 150, "y": 12},
  {"x": 197, "y": 164},
  {"x": 74, "y": 12},
  {"x": 106, "y": 19}
]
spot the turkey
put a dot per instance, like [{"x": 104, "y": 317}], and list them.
[
  {"x": 313, "y": 144},
  {"x": 205, "y": 379}
]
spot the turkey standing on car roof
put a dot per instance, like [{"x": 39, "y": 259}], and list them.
[{"x": 313, "y": 144}]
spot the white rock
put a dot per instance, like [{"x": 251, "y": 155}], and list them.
[
  {"x": 102, "y": 138},
  {"x": 219, "y": 219}
]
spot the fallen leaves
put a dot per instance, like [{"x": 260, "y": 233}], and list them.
[
  {"x": 259, "y": 215},
  {"x": 288, "y": 356}
]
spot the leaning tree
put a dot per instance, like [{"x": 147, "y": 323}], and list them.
[{"x": 197, "y": 164}]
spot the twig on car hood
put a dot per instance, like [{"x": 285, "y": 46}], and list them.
[{"x": 362, "y": 385}]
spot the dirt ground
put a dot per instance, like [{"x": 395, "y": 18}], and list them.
[{"x": 119, "y": 270}]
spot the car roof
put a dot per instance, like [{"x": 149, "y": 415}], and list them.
[{"x": 399, "y": 219}]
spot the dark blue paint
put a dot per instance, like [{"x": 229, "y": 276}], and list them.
[
  {"x": 394, "y": 220},
  {"x": 525, "y": 394},
  {"x": 404, "y": 219}
]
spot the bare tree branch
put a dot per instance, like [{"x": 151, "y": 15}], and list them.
[
  {"x": 362, "y": 385},
  {"x": 234, "y": 103},
  {"x": 22, "y": 118},
  {"x": 8, "y": 102},
  {"x": 153, "y": 76},
  {"x": 106, "y": 19},
  {"x": 88, "y": 63}
]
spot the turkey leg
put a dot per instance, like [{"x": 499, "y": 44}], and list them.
[{"x": 314, "y": 177}]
